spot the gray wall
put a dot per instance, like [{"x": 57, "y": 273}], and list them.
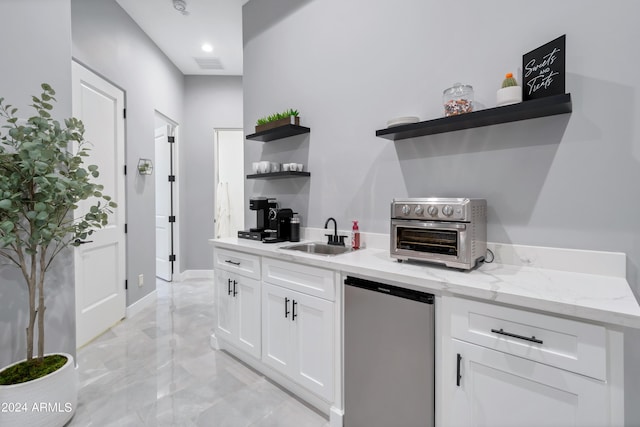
[
  {"x": 109, "y": 42},
  {"x": 210, "y": 102},
  {"x": 569, "y": 181},
  {"x": 47, "y": 33}
]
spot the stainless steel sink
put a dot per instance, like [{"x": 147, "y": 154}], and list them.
[{"x": 318, "y": 248}]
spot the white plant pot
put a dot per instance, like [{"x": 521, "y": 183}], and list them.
[
  {"x": 508, "y": 95},
  {"x": 49, "y": 401}
]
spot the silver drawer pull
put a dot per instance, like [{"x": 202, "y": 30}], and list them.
[
  {"x": 232, "y": 262},
  {"x": 509, "y": 334}
]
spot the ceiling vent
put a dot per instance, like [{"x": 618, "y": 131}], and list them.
[{"x": 209, "y": 63}]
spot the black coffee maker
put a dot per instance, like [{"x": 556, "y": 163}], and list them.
[
  {"x": 272, "y": 217},
  {"x": 260, "y": 231},
  {"x": 283, "y": 224}
]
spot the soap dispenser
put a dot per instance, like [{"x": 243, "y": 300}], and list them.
[{"x": 355, "y": 236}]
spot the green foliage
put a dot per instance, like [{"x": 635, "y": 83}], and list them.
[
  {"x": 43, "y": 179},
  {"x": 277, "y": 116},
  {"x": 32, "y": 369}
]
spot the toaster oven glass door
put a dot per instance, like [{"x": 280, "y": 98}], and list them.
[{"x": 442, "y": 238}]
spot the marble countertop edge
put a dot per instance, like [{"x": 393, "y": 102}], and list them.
[{"x": 597, "y": 298}]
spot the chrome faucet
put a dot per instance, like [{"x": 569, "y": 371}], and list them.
[{"x": 334, "y": 239}]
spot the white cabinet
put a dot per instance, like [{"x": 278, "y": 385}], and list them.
[
  {"x": 515, "y": 368},
  {"x": 238, "y": 310},
  {"x": 501, "y": 390},
  {"x": 298, "y": 333}
]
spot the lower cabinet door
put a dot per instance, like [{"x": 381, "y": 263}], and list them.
[
  {"x": 314, "y": 341},
  {"x": 225, "y": 307},
  {"x": 277, "y": 334},
  {"x": 500, "y": 390},
  {"x": 246, "y": 293},
  {"x": 238, "y": 311},
  {"x": 297, "y": 338}
]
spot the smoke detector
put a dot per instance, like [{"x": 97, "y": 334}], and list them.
[{"x": 180, "y": 6}]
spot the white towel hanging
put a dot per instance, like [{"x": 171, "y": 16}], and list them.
[{"x": 223, "y": 214}]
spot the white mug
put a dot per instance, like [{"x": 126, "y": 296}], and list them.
[
  {"x": 255, "y": 167},
  {"x": 285, "y": 167},
  {"x": 264, "y": 167},
  {"x": 275, "y": 167}
]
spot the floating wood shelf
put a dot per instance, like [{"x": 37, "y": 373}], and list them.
[
  {"x": 542, "y": 107},
  {"x": 276, "y": 175},
  {"x": 278, "y": 133}
]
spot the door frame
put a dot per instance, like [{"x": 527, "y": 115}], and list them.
[{"x": 177, "y": 271}]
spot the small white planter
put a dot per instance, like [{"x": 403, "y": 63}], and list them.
[
  {"x": 508, "y": 95},
  {"x": 49, "y": 401}
]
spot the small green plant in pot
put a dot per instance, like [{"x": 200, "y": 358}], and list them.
[
  {"x": 509, "y": 92},
  {"x": 42, "y": 179},
  {"x": 286, "y": 117}
]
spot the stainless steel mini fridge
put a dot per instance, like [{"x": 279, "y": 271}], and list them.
[{"x": 388, "y": 356}]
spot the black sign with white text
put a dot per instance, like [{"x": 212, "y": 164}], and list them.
[{"x": 543, "y": 70}]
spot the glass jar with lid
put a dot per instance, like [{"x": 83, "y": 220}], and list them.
[{"x": 458, "y": 99}]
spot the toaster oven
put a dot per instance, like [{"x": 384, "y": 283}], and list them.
[{"x": 447, "y": 231}]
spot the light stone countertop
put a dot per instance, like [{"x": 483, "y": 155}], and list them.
[{"x": 595, "y": 297}]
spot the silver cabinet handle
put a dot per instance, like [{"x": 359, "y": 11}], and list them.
[{"x": 232, "y": 262}]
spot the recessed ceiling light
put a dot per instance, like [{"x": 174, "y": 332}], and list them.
[{"x": 207, "y": 47}]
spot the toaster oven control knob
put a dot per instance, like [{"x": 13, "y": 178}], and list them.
[
  {"x": 447, "y": 210},
  {"x": 432, "y": 210},
  {"x": 418, "y": 210},
  {"x": 406, "y": 210}
]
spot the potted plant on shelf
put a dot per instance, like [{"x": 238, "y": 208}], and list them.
[
  {"x": 510, "y": 92},
  {"x": 42, "y": 180},
  {"x": 287, "y": 117}
]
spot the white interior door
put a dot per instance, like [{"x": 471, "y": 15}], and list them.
[
  {"x": 230, "y": 171},
  {"x": 162, "y": 170},
  {"x": 100, "y": 268}
]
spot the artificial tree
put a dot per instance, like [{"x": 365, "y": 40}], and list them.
[{"x": 42, "y": 180}]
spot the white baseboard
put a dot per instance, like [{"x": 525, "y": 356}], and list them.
[
  {"x": 194, "y": 275},
  {"x": 144, "y": 302}
]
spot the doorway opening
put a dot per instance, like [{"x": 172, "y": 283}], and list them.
[
  {"x": 165, "y": 171},
  {"x": 229, "y": 182}
]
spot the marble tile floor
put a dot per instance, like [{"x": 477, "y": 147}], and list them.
[{"x": 157, "y": 369}]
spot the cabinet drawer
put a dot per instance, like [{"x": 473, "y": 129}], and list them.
[
  {"x": 302, "y": 278},
  {"x": 238, "y": 262},
  {"x": 567, "y": 344}
]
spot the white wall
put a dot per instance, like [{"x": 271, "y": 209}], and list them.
[
  {"x": 568, "y": 181},
  {"x": 36, "y": 50},
  {"x": 210, "y": 102},
  {"x": 110, "y": 43}
]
